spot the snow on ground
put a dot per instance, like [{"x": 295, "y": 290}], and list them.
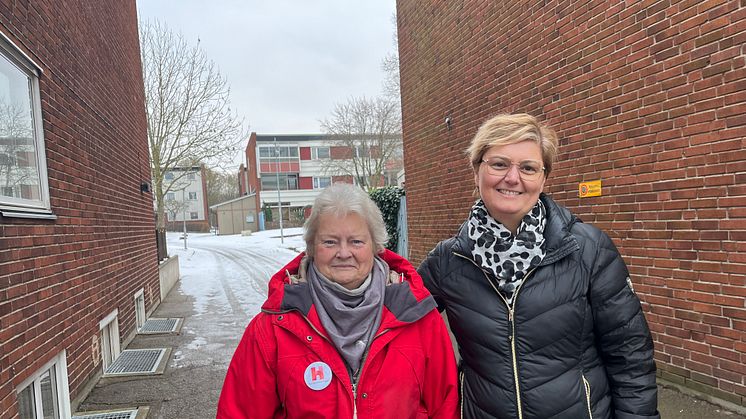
[
  {"x": 232, "y": 268},
  {"x": 225, "y": 280}
]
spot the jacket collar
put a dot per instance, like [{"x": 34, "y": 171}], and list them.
[
  {"x": 558, "y": 239},
  {"x": 406, "y": 296}
]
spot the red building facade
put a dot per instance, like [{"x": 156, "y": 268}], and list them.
[
  {"x": 77, "y": 252},
  {"x": 649, "y": 98}
]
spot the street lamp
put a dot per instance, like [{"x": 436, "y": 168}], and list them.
[
  {"x": 183, "y": 210},
  {"x": 279, "y": 198}
]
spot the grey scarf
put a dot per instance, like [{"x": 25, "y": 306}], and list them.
[{"x": 350, "y": 317}]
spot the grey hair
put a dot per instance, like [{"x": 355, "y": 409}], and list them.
[{"x": 342, "y": 199}]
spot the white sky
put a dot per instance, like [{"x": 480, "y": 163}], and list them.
[{"x": 287, "y": 61}]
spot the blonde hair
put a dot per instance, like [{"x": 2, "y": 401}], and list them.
[
  {"x": 341, "y": 199},
  {"x": 506, "y": 129}
]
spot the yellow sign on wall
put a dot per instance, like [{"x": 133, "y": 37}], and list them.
[{"x": 588, "y": 189}]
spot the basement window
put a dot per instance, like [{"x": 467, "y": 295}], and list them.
[
  {"x": 109, "y": 327},
  {"x": 45, "y": 394},
  {"x": 23, "y": 166}
]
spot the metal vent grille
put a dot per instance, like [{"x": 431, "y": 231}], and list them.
[
  {"x": 155, "y": 325},
  {"x": 136, "y": 361},
  {"x": 122, "y": 414}
]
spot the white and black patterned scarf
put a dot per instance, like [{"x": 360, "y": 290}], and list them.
[{"x": 496, "y": 250}]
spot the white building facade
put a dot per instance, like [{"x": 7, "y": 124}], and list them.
[
  {"x": 186, "y": 198},
  {"x": 303, "y": 165}
]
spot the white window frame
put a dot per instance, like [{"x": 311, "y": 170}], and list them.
[
  {"x": 317, "y": 182},
  {"x": 59, "y": 363},
  {"x": 315, "y": 153},
  {"x": 140, "y": 314},
  {"x": 15, "y": 206},
  {"x": 110, "y": 348}
]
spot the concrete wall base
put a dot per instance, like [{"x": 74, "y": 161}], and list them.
[
  {"x": 168, "y": 272},
  {"x": 733, "y": 407}
]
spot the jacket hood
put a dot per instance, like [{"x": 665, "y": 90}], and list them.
[{"x": 406, "y": 296}]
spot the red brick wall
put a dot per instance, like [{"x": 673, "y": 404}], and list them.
[
  {"x": 253, "y": 176},
  {"x": 59, "y": 278},
  {"x": 649, "y": 97}
]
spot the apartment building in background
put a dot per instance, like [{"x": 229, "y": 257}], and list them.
[
  {"x": 78, "y": 264},
  {"x": 187, "y": 199},
  {"x": 300, "y": 166}
]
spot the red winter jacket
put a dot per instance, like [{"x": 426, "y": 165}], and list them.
[{"x": 409, "y": 371}]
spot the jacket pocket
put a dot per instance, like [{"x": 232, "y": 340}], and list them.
[{"x": 587, "y": 387}]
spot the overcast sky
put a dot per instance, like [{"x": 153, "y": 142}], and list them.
[{"x": 287, "y": 61}]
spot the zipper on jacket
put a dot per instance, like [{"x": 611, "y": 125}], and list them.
[
  {"x": 461, "y": 399},
  {"x": 354, "y": 400},
  {"x": 587, "y": 387},
  {"x": 355, "y": 378},
  {"x": 511, "y": 325}
]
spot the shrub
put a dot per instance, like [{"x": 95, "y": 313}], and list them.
[{"x": 387, "y": 200}]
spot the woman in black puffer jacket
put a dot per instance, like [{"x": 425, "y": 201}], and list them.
[{"x": 542, "y": 306}]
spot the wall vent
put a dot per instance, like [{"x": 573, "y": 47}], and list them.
[
  {"x": 159, "y": 325},
  {"x": 136, "y": 361}
]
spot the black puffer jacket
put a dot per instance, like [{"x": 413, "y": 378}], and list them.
[{"x": 576, "y": 344}]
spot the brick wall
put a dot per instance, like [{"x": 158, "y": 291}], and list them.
[
  {"x": 647, "y": 96},
  {"x": 59, "y": 278}
]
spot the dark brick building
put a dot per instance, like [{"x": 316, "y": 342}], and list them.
[
  {"x": 77, "y": 242},
  {"x": 647, "y": 96}
]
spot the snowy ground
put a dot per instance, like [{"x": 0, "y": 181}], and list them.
[
  {"x": 236, "y": 266},
  {"x": 225, "y": 278}
]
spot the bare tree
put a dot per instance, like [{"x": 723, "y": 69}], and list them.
[
  {"x": 370, "y": 132},
  {"x": 221, "y": 186},
  {"x": 390, "y": 67},
  {"x": 17, "y": 166},
  {"x": 188, "y": 108}
]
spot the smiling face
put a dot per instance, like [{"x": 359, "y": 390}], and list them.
[
  {"x": 343, "y": 249},
  {"x": 508, "y": 198}
]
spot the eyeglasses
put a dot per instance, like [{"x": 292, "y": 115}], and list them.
[{"x": 527, "y": 169}]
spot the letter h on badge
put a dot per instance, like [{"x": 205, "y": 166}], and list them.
[{"x": 317, "y": 375}]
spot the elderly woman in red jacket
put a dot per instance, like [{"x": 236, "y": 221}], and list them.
[{"x": 348, "y": 330}]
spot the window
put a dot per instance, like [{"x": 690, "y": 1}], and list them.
[
  {"x": 109, "y": 327},
  {"x": 283, "y": 152},
  {"x": 170, "y": 196},
  {"x": 321, "y": 182},
  {"x": 168, "y": 176},
  {"x": 287, "y": 182},
  {"x": 140, "y": 308},
  {"x": 191, "y": 176},
  {"x": 23, "y": 167},
  {"x": 193, "y": 215},
  {"x": 362, "y": 151},
  {"x": 319, "y": 153},
  {"x": 193, "y": 196},
  {"x": 45, "y": 394}
]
